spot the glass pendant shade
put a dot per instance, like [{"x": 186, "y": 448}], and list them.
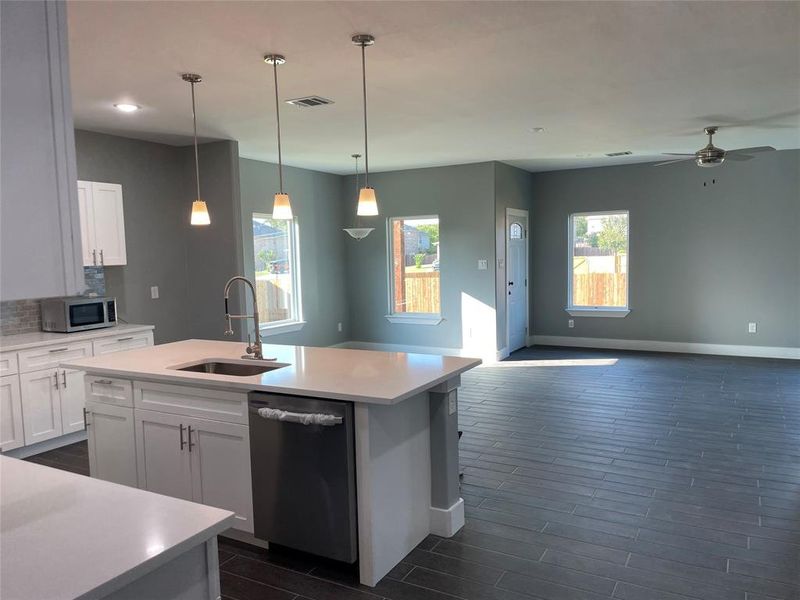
[
  {"x": 200, "y": 214},
  {"x": 281, "y": 208},
  {"x": 367, "y": 202},
  {"x": 359, "y": 233}
]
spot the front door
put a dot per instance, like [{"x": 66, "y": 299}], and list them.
[{"x": 517, "y": 278}]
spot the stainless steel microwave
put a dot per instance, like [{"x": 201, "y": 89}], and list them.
[{"x": 78, "y": 313}]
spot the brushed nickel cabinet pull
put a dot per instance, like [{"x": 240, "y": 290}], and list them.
[
  {"x": 64, "y": 378},
  {"x": 85, "y": 420},
  {"x": 94, "y": 257},
  {"x": 102, "y": 260},
  {"x": 103, "y": 381},
  {"x": 181, "y": 430},
  {"x": 58, "y": 350},
  {"x": 125, "y": 339},
  {"x": 56, "y": 376},
  {"x": 191, "y": 444}
]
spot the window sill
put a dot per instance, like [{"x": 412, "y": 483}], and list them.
[
  {"x": 598, "y": 312},
  {"x": 267, "y": 330},
  {"x": 418, "y": 319}
]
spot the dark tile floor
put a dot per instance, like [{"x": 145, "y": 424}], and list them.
[{"x": 589, "y": 475}]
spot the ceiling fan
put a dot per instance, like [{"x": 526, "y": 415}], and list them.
[{"x": 712, "y": 156}]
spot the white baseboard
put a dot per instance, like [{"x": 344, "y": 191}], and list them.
[
  {"x": 445, "y": 522},
  {"x": 488, "y": 357},
  {"x": 656, "y": 346}
]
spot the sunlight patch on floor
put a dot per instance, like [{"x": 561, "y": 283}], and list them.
[{"x": 558, "y": 362}]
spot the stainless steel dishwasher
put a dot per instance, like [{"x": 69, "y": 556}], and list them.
[{"x": 304, "y": 477}]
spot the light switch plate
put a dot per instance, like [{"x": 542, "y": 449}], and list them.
[
  {"x": 452, "y": 405},
  {"x": 751, "y": 328},
  {"x": 154, "y": 292},
  {"x": 483, "y": 264}
]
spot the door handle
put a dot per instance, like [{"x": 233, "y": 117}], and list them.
[
  {"x": 189, "y": 435},
  {"x": 85, "y": 420},
  {"x": 181, "y": 430},
  {"x": 94, "y": 257},
  {"x": 64, "y": 378},
  {"x": 56, "y": 376}
]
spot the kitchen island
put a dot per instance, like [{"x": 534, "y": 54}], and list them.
[
  {"x": 405, "y": 430},
  {"x": 69, "y": 536}
]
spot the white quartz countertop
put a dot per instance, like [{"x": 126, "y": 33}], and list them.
[
  {"x": 23, "y": 341},
  {"x": 335, "y": 373},
  {"x": 69, "y": 536}
]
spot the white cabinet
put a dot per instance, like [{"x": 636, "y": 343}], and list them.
[
  {"x": 41, "y": 418},
  {"x": 72, "y": 395},
  {"x": 221, "y": 468},
  {"x": 120, "y": 343},
  {"x": 162, "y": 455},
  {"x": 11, "y": 434},
  {"x": 112, "y": 450},
  {"x": 196, "y": 459},
  {"x": 102, "y": 224},
  {"x": 46, "y": 357}
]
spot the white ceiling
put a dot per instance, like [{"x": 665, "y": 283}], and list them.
[{"x": 449, "y": 82}]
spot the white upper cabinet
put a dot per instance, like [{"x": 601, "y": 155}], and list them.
[
  {"x": 102, "y": 224},
  {"x": 40, "y": 256}
]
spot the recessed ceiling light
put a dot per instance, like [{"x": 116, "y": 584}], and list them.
[
  {"x": 127, "y": 108},
  {"x": 537, "y": 129}
]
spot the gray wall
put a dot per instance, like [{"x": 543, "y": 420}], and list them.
[
  {"x": 156, "y": 227},
  {"x": 463, "y": 198},
  {"x": 513, "y": 189},
  {"x": 704, "y": 260},
  {"x": 317, "y": 204}
]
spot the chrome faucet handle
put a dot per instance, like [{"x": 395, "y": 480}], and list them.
[{"x": 228, "y": 332}]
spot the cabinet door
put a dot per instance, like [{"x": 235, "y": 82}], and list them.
[
  {"x": 221, "y": 468},
  {"x": 41, "y": 410},
  {"x": 87, "y": 230},
  {"x": 73, "y": 399},
  {"x": 112, "y": 448},
  {"x": 11, "y": 435},
  {"x": 109, "y": 223},
  {"x": 162, "y": 465}
]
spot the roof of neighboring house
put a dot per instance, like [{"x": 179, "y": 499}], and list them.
[{"x": 264, "y": 229}]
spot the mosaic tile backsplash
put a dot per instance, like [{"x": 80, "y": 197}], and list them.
[{"x": 25, "y": 316}]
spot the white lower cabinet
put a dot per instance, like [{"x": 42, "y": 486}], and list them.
[
  {"x": 11, "y": 435},
  {"x": 72, "y": 394},
  {"x": 196, "y": 459},
  {"x": 41, "y": 419},
  {"x": 112, "y": 448}
]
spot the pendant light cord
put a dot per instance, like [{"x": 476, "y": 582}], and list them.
[
  {"x": 278, "y": 119},
  {"x": 196, "y": 156},
  {"x": 366, "y": 140}
]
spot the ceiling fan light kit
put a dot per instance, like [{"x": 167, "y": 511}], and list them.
[
  {"x": 713, "y": 156},
  {"x": 199, "y": 214}
]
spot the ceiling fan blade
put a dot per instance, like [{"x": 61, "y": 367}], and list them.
[
  {"x": 738, "y": 157},
  {"x": 676, "y": 154},
  {"x": 753, "y": 150},
  {"x": 677, "y": 160}
]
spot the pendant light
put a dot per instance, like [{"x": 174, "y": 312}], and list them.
[
  {"x": 200, "y": 214},
  {"x": 358, "y": 233},
  {"x": 367, "y": 201},
  {"x": 281, "y": 207}
]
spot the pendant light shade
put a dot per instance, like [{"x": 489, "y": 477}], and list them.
[
  {"x": 367, "y": 199},
  {"x": 281, "y": 206},
  {"x": 359, "y": 233},
  {"x": 367, "y": 202},
  {"x": 200, "y": 214}
]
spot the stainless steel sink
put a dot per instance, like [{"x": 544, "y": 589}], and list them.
[{"x": 230, "y": 368}]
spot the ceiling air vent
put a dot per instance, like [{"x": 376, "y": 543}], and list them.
[
  {"x": 623, "y": 153},
  {"x": 309, "y": 101}
]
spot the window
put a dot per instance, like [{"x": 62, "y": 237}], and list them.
[
  {"x": 414, "y": 270},
  {"x": 515, "y": 231},
  {"x": 276, "y": 267},
  {"x": 598, "y": 264}
]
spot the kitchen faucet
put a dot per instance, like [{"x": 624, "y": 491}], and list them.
[{"x": 254, "y": 351}]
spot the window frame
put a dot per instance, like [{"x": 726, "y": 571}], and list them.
[
  {"x": 297, "y": 322},
  {"x": 596, "y": 311},
  {"x": 409, "y": 318}
]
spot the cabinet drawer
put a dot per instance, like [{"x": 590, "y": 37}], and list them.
[
  {"x": 109, "y": 390},
  {"x": 8, "y": 363},
  {"x": 190, "y": 401},
  {"x": 119, "y": 343},
  {"x": 47, "y": 357}
]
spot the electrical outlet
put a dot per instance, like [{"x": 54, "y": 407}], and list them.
[
  {"x": 483, "y": 264},
  {"x": 751, "y": 328},
  {"x": 571, "y": 323},
  {"x": 154, "y": 292},
  {"x": 452, "y": 406},
  {"x": 340, "y": 326}
]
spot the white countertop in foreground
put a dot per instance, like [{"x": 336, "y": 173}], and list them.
[
  {"x": 66, "y": 535},
  {"x": 22, "y": 341},
  {"x": 335, "y": 373}
]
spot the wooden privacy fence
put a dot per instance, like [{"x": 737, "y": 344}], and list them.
[
  {"x": 273, "y": 300},
  {"x": 599, "y": 289},
  {"x": 422, "y": 291}
]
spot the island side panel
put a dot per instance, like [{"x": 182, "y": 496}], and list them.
[
  {"x": 393, "y": 483},
  {"x": 447, "y": 508}
]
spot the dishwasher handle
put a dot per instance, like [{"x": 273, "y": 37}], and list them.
[{"x": 276, "y": 414}]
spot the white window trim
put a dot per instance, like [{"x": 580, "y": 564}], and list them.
[
  {"x": 296, "y": 323},
  {"x": 597, "y": 311},
  {"x": 407, "y": 317}
]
